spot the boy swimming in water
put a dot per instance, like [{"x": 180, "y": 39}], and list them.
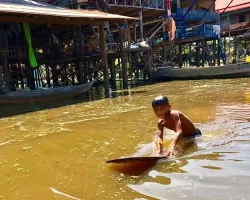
[{"x": 174, "y": 120}]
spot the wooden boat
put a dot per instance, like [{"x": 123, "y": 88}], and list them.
[
  {"x": 227, "y": 71},
  {"x": 45, "y": 94}
]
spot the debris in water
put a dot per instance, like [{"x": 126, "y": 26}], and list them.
[
  {"x": 63, "y": 194},
  {"x": 26, "y": 148}
]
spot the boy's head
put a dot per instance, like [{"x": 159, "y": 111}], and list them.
[
  {"x": 161, "y": 106},
  {"x": 160, "y": 101}
]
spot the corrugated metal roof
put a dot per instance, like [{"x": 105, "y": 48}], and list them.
[
  {"x": 235, "y": 8},
  {"x": 235, "y": 5},
  {"x": 29, "y": 7}
]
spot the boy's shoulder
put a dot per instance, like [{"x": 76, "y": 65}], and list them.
[{"x": 175, "y": 112}]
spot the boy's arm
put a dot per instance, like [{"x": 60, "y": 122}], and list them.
[
  {"x": 159, "y": 136},
  {"x": 178, "y": 135}
]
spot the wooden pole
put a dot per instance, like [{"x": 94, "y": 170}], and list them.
[
  {"x": 203, "y": 53},
  {"x": 189, "y": 52},
  {"x": 6, "y": 72},
  {"x": 31, "y": 79},
  {"x": 79, "y": 72},
  {"x": 48, "y": 76},
  {"x": 129, "y": 53},
  {"x": 85, "y": 71},
  {"x": 113, "y": 74},
  {"x": 180, "y": 55},
  {"x": 149, "y": 66},
  {"x": 164, "y": 47},
  {"x": 5, "y": 82},
  {"x": 198, "y": 54},
  {"x": 135, "y": 32},
  {"x": 124, "y": 61},
  {"x": 214, "y": 52},
  {"x": 104, "y": 58},
  {"x": 218, "y": 53},
  {"x": 141, "y": 25},
  {"x": 20, "y": 75},
  {"x": 235, "y": 48}
]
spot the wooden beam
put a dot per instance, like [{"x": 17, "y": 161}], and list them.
[
  {"x": 47, "y": 20},
  {"x": 104, "y": 58}
]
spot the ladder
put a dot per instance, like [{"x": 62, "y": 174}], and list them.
[
  {"x": 101, "y": 5},
  {"x": 109, "y": 36},
  {"x": 110, "y": 39}
]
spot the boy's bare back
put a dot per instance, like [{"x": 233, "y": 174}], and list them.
[{"x": 171, "y": 122}]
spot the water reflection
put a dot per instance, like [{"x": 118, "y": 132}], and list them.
[{"x": 96, "y": 93}]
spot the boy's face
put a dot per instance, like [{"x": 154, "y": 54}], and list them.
[{"x": 162, "y": 110}]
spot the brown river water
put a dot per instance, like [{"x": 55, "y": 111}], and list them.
[{"x": 60, "y": 152}]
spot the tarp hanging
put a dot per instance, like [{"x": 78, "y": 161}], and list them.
[{"x": 32, "y": 57}]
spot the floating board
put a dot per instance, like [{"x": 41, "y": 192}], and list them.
[{"x": 136, "y": 159}]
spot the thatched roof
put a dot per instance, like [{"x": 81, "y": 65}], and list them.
[{"x": 44, "y": 13}]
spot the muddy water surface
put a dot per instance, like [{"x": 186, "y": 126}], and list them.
[{"x": 60, "y": 153}]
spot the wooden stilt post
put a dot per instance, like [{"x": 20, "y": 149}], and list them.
[
  {"x": 189, "y": 52},
  {"x": 48, "y": 76},
  {"x": 119, "y": 65},
  {"x": 104, "y": 58},
  {"x": 149, "y": 66},
  {"x": 72, "y": 73},
  {"x": 218, "y": 53},
  {"x": 129, "y": 53},
  {"x": 113, "y": 74},
  {"x": 135, "y": 32},
  {"x": 180, "y": 55},
  {"x": 164, "y": 47},
  {"x": 79, "y": 72},
  {"x": 235, "y": 48},
  {"x": 31, "y": 80},
  {"x": 54, "y": 72},
  {"x": 6, "y": 73},
  {"x": 141, "y": 25},
  {"x": 124, "y": 70},
  {"x": 198, "y": 54},
  {"x": 203, "y": 53},
  {"x": 214, "y": 52},
  {"x": 85, "y": 71},
  {"x": 225, "y": 44},
  {"x": 124, "y": 61},
  {"x": 20, "y": 75}
]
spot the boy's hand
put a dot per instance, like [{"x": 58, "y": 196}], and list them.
[
  {"x": 170, "y": 151},
  {"x": 161, "y": 122}
]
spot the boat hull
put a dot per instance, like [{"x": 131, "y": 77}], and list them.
[
  {"x": 45, "y": 94},
  {"x": 227, "y": 71}
]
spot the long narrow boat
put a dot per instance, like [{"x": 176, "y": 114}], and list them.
[
  {"x": 227, "y": 71},
  {"x": 45, "y": 94}
]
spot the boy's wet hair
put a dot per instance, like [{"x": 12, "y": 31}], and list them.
[{"x": 160, "y": 100}]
